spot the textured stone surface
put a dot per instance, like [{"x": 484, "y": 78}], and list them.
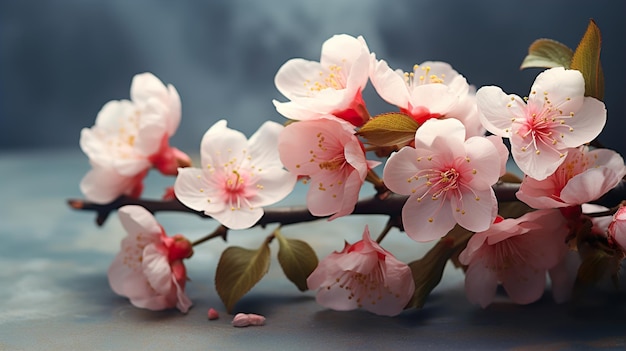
[{"x": 54, "y": 293}]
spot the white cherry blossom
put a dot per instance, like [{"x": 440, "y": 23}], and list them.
[
  {"x": 556, "y": 116},
  {"x": 238, "y": 176}
]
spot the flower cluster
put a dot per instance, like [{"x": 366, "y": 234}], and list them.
[
  {"x": 130, "y": 137},
  {"x": 438, "y": 163}
]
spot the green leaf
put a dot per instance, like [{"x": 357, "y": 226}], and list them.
[
  {"x": 297, "y": 259},
  {"x": 547, "y": 53},
  {"x": 586, "y": 59},
  {"x": 239, "y": 270},
  {"x": 597, "y": 263},
  {"x": 428, "y": 270},
  {"x": 598, "y": 258},
  {"x": 389, "y": 129}
]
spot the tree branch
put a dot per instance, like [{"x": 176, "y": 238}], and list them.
[{"x": 389, "y": 204}]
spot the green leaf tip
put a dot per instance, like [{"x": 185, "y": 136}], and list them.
[
  {"x": 586, "y": 59},
  {"x": 238, "y": 270},
  {"x": 547, "y": 53},
  {"x": 389, "y": 129},
  {"x": 297, "y": 259}
]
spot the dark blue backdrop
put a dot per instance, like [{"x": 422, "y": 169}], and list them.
[{"x": 60, "y": 61}]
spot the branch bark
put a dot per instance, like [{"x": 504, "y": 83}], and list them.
[{"x": 390, "y": 205}]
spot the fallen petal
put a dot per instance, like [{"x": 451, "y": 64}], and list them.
[
  {"x": 244, "y": 320},
  {"x": 212, "y": 314}
]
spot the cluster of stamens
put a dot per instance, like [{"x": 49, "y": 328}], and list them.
[
  {"x": 542, "y": 128},
  {"x": 235, "y": 180},
  {"x": 421, "y": 75},
  {"x": 507, "y": 254},
  {"x": 124, "y": 141},
  {"x": 333, "y": 78},
  {"x": 436, "y": 183},
  {"x": 366, "y": 288},
  {"x": 337, "y": 162}
]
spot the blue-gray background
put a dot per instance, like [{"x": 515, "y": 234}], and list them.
[{"x": 60, "y": 61}]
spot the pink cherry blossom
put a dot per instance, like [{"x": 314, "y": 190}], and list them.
[
  {"x": 129, "y": 137},
  {"x": 238, "y": 176},
  {"x": 516, "y": 253},
  {"x": 617, "y": 228},
  {"x": 556, "y": 117},
  {"x": 583, "y": 176},
  {"x": 363, "y": 275},
  {"x": 331, "y": 86},
  {"x": 330, "y": 154},
  {"x": 448, "y": 180},
  {"x": 432, "y": 90},
  {"x": 149, "y": 268}
]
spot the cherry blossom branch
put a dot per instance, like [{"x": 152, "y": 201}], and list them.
[
  {"x": 388, "y": 204},
  {"x": 219, "y": 232}
]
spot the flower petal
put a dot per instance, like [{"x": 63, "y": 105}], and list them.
[
  {"x": 563, "y": 88},
  {"x": 238, "y": 218},
  {"x": 263, "y": 145},
  {"x": 425, "y": 220},
  {"x": 292, "y": 75},
  {"x": 193, "y": 190},
  {"x": 477, "y": 211},
  {"x": 480, "y": 283},
  {"x": 589, "y": 185},
  {"x": 138, "y": 222},
  {"x": 389, "y": 83},
  {"x": 481, "y": 155},
  {"x": 496, "y": 109},
  {"x": 399, "y": 171},
  {"x": 537, "y": 164},
  {"x": 221, "y": 145},
  {"x": 272, "y": 186},
  {"x": 524, "y": 283},
  {"x": 156, "y": 268},
  {"x": 586, "y": 124},
  {"x": 449, "y": 132}
]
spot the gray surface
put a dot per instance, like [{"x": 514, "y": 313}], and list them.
[{"x": 54, "y": 293}]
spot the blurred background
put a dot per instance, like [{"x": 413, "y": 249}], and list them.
[{"x": 61, "y": 61}]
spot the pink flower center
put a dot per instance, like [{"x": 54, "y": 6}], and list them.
[
  {"x": 122, "y": 143},
  {"x": 331, "y": 78},
  {"x": 575, "y": 163},
  {"x": 235, "y": 190},
  {"x": 542, "y": 127},
  {"x": 333, "y": 164},
  {"x": 365, "y": 288},
  {"x": 507, "y": 254},
  {"x": 422, "y": 75},
  {"x": 439, "y": 181}
]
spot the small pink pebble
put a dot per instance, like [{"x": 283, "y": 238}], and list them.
[
  {"x": 213, "y": 315},
  {"x": 244, "y": 320}
]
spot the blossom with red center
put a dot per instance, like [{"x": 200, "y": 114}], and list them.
[
  {"x": 331, "y": 86},
  {"x": 129, "y": 137},
  {"x": 448, "y": 179},
  {"x": 556, "y": 117},
  {"x": 517, "y": 253},
  {"x": 149, "y": 268},
  {"x": 584, "y": 176},
  {"x": 238, "y": 176},
  {"x": 363, "y": 275},
  {"x": 330, "y": 154},
  {"x": 432, "y": 90},
  {"x": 617, "y": 228}
]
